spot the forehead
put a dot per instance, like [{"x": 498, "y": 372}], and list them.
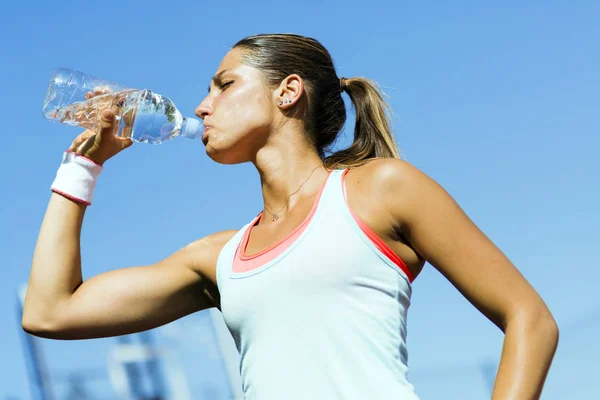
[
  {"x": 232, "y": 65},
  {"x": 232, "y": 60}
]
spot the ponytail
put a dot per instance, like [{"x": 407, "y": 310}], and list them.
[
  {"x": 279, "y": 55},
  {"x": 373, "y": 137}
]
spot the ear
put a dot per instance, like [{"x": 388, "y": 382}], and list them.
[{"x": 290, "y": 90}]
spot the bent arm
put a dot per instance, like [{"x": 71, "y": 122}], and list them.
[
  {"x": 443, "y": 234},
  {"x": 56, "y": 265},
  {"x": 60, "y": 305}
]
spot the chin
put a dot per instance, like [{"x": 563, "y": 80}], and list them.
[{"x": 225, "y": 156}]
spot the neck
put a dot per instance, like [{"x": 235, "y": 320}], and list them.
[{"x": 284, "y": 166}]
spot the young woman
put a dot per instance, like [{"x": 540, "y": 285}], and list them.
[{"x": 315, "y": 289}]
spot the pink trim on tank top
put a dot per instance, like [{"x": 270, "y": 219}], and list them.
[
  {"x": 377, "y": 241},
  {"x": 245, "y": 263}
]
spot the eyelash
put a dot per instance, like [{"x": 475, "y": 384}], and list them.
[
  {"x": 224, "y": 85},
  {"x": 221, "y": 85}
]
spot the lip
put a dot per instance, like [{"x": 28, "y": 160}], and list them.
[{"x": 205, "y": 133}]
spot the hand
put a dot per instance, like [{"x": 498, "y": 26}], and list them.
[{"x": 102, "y": 145}]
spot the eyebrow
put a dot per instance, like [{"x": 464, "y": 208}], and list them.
[{"x": 217, "y": 78}]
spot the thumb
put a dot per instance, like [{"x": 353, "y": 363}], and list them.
[
  {"x": 107, "y": 123},
  {"x": 124, "y": 143}
]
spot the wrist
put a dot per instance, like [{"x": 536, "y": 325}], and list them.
[{"x": 76, "y": 178}]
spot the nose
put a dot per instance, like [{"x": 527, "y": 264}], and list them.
[{"x": 204, "y": 109}]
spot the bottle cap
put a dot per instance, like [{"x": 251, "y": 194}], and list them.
[{"x": 192, "y": 128}]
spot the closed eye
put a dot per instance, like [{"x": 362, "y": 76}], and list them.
[
  {"x": 221, "y": 85},
  {"x": 225, "y": 85}
]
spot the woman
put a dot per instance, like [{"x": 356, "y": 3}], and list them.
[{"x": 316, "y": 288}]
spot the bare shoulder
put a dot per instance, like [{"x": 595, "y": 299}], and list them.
[
  {"x": 391, "y": 176},
  {"x": 401, "y": 189},
  {"x": 215, "y": 241},
  {"x": 387, "y": 170},
  {"x": 202, "y": 254}
]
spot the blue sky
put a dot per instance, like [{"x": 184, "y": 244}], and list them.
[{"x": 497, "y": 102}]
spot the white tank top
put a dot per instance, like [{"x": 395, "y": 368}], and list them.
[{"x": 322, "y": 313}]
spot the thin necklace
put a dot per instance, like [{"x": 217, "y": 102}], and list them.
[{"x": 276, "y": 214}]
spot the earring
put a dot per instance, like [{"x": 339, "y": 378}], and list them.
[{"x": 280, "y": 102}]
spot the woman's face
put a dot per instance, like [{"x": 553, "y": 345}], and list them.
[{"x": 238, "y": 111}]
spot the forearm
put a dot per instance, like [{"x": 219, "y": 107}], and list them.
[
  {"x": 529, "y": 346},
  {"x": 56, "y": 266}
]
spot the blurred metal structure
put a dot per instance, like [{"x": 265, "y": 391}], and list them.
[
  {"x": 155, "y": 365},
  {"x": 34, "y": 358},
  {"x": 40, "y": 379},
  {"x": 134, "y": 367}
]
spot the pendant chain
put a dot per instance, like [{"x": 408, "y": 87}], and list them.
[{"x": 275, "y": 216}]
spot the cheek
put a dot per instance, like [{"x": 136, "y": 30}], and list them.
[{"x": 245, "y": 109}]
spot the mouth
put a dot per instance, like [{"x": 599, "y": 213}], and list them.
[{"x": 205, "y": 134}]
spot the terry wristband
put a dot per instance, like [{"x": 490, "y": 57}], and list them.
[{"x": 76, "y": 178}]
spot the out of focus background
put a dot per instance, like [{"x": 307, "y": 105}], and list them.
[{"x": 497, "y": 101}]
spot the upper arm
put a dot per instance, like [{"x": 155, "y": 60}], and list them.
[
  {"x": 139, "y": 298},
  {"x": 439, "y": 230}
]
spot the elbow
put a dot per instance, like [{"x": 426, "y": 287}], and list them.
[
  {"x": 35, "y": 326},
  {"x": 41, "y": 326},
  {"x": 546, "y": 324},
  {"x": 543, "y": 331},
  {"x": 551, "y": 330},
  {"x": 539, "y": 323}
]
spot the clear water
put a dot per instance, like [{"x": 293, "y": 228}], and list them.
[
  {"x": 156, "y": 119},
  {"x": 86, "y": 114},
  {"x": 143, "y": 116}
]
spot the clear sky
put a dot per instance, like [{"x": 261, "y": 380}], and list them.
[{"x": 497, "y": 101}]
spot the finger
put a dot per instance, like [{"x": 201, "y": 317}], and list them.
[
  {"x": 126, "y": 131},
  {"x": 86, "y": 145},
  {"x": 98, "y": 90},
  {"x": 115, "y": 109},
  {"x": 81, "y": 139},
  {"x": 119, "y": 99},
  {"x": 124, "y": 143},
  {"x": 107, "y": 123}
]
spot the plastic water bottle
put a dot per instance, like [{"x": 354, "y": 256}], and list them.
[{"x": 143, "y": 116}]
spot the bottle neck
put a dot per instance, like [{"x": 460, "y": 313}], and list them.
[{"x": 192, "y": 128}]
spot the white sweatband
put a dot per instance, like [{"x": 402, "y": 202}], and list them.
[{"x": 76, "y": 178}]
